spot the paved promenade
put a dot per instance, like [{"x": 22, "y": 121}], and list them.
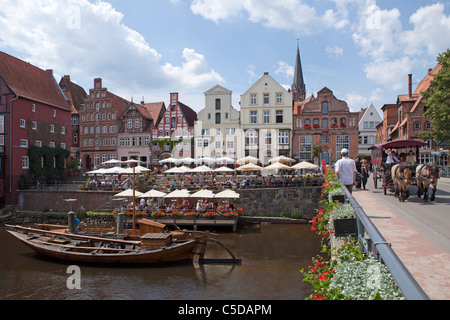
[{"x": 418, "y": 231}]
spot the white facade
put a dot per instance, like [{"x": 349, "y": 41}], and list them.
[
  {"x": 266, "y": 119},
  {"x": 217, "y": 132},
  {"x": 368, "y": 130}
]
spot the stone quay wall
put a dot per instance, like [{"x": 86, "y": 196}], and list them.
[{"x": 268, "y": 202}]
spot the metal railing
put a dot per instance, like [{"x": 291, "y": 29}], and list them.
[{"x": 375, "y": 242}]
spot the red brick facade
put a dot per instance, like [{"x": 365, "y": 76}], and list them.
[{"x": 324, "y": 121}]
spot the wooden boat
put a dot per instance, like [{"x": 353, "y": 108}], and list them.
[{"x": 152, "y": 248}]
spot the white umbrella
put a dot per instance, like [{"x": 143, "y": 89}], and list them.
[
  {"x": 115, "y": 170},
  {"x": 186, "y": 160},
  {"x": 200, "y": 169},
  {"x": 128, "y": 193},
  {"x": 170, "y": 160},
  {"x": 142, "y": 169},
  {"x": 98, "y": 171},
  {"x": 202, "y": 194},
  {"x": 249, "y": 167},
  {"x": 225, "y": 160},
  {"x": 178, "y": 194},
  {"x": 305, "y": 165},
  {"x": 282, "y": 159},
  {"x": 112, "y": 161},
  {"x": 227, "y": 194},
  {"x": 181, "y": 169},
  {"x": 205, "y": 160},
  {"x": 223, "y": 169},
  {"x": 248, "y": 159},
  {"x": 153, "y": 194},
  {"x": 277, "y": 166}
]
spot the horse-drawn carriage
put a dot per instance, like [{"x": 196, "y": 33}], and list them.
[{"x": 404, "y": 174}]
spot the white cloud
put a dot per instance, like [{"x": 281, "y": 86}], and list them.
[
  {"x": 285, "y": 70},
  {"x": 335, "y": 51},
  {"x": 291, "y": 15},
  {"x": 89, "y": 39}
]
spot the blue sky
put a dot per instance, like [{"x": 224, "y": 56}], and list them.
[{"x": 363, "y": 50}]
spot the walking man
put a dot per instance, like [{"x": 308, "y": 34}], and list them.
[{"x": 346, "y": 170}]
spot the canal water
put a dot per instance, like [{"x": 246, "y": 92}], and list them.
[{"x": 272, "y": 256}]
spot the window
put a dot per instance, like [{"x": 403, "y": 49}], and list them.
[
  {"x": 96, "y": 160},
  {"x": 105, "y": 142},
  {"x": 416, "y": 126},
  {"x": 104, "y": 157},
  {"x": 218, "y": 144},
  {"x": 230, "y": 144},
  {"x": 22, "y": 123},
  {"x": 266, "y": 117},
  {"x": 38, "y": 143},
  {"x": 251, "y": 138},
  {"x": 324, "y": 107},
  {"x": 279, "y": 117},
  {"x": 253, "y": 117},
  {"x": 130, "y": 124},
  {"x": 218, "y": 133},
  {"x": 137, "y": 123},
  {"x": 54, "y": 113},
  {"x": 63, "y": 130},
  {"x": 279, "y": 98},
  {"x": 206, "y": 132},
  {"x": 97, "y": 129},
  {"x": 266, "y": 99},
  {"x": 307, "y": 123},
  {"x": 97, "y": 142},
  {"x": 25, "y": 162},
  {"x": 283, "y": 138},
  {"x": 428, "y": 126},
  {"x": 75, "y": 138},
  {"x": 325, "y": 124},
  {"x": 324, "y": 139},
  {"x": 104, "y": 129},
  {"x": 230, "y": 131},
  {"x": 33, "y": 108},
  {"x": 342, "y": 141},
  {"x": 218, "y": 118},
  {"x": 226, "y": 115},
  {"x": 218, "y": 104},
  {"x": 24, "y": 143},
  {"x": 63, "y": 145},
  {"x": 52, "y": 128},
  {"x": 253, "y": 99},
  {"x": 112, "y": 142},
  {"x": 305, "y": 147},
  {"x": 34, "y": 125},
  {"x": 112, "y": 129},
  {"x": 268, "y": 139},
  {"x": 51, "y": 144},
  {"x": 316, "y": 123}
]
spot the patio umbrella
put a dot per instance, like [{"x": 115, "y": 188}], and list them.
[
  {"x": 135, "y": 193},
  {"x": 182, "y": 169},
  {"x": 223, "y": 169},
  {"x": 205, "y": 160},
  {"x": 204, "y": 193},
  {"x": 200, "y": 169},
  {"x": 178, "y": 194},
  {"x": 227, "y": 194},
  {"x": 277, "y": 166},
  {"x": 305, "y": 165},
  {"x": 170, "y": 160},
  {"x": 98, "y": 171},
  {"x": 153, "y": 194},
  {"x": 115, "y": 170},
  {"x": 282, "y": 159},
  {"x": 224, "y": 160},
  {"x": 248, "y": 159},
  {"x": 186, "y": 160},
  {"x": 128, "y": 193},
  {"x": 249, "y": 167},
  {"x": 112, "y": 161}
]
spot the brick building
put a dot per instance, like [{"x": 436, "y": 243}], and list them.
[
  {"x": 326, "y": 121},
  {"x": 75, "y": 96},
  {"x": 175, "y": 131},
  {"x": 99, "y": 126},
  {"x": 33, "y": 112},
  {"x": 135, "y": 127},
  {"x": 405, "y": 119}
]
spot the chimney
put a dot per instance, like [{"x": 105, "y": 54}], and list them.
[{"x": 410, "y": 86}]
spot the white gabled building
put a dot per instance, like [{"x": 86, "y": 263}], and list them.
[
  {"x": 266, "y": 119},
  {"x": 368, "y": 129},
  {"x": 217, "y": 132}
]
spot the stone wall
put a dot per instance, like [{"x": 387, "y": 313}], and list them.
[
  {"x": 254, "y": 202},
  {"x": 275, "y": 202}
]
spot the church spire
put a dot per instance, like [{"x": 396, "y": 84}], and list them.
[{"x": 298, "y": 86}]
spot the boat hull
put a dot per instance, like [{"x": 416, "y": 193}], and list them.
[{"x": 175, "y": 252}]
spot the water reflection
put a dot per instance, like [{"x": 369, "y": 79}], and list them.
[{"x": 272, "y": 256}]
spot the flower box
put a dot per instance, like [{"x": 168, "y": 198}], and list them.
[
  {"x": 345, "y": 227},
  {"x": 338, "y": 197},
  {"x": 307, "y": 127}
]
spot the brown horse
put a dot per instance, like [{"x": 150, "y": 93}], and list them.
[
  {"x": 427, "y": 174},
  {"x": 402, "y": 177}
]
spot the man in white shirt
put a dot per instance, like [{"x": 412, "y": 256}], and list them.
[
  {"x": 391, "y": 158},
  {"x": 346, "y": 170}
]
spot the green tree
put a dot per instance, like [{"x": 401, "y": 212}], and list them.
[{"x": 437, "y": 100}]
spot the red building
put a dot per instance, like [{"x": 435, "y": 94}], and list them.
[
  {"x": 33, "y": 112},
  {"x": 177, "y": 124},
  {"x": 75, "y": 96},
  {"x": 324, "y": 121},
  {"x": 99, "y": 126}
]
